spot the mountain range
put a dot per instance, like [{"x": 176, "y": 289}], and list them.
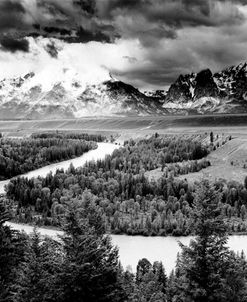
[
  {"x": 204, "y": 92},
  {"x": 68, "y": 97}
]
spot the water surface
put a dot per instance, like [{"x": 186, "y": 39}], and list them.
[
  {"x": 133, "y": 248},
  {"x": 99, "y": 153}
]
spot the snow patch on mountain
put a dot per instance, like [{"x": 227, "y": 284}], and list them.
[
  {"x": 69, "y": 95},
  {"x": 204, "y": 92}
]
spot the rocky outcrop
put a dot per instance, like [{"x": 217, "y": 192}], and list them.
[
  {"x": 205, "y": 85},
  {"x": 182, "y": 90}
]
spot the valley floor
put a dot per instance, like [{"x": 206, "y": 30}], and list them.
[
  {"x": 132, "y": 126},
  {"x": 228, "y": 161}
]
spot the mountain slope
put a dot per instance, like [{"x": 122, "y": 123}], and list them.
[
  {"x": 222, "y": 92},
  {"x": 69, "y": 97},
  {"x": 66, "y": 95}
]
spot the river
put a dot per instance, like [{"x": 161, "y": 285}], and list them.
[
  {"x": 99, "y": 153},
  {"x": 133, "y": 248}
]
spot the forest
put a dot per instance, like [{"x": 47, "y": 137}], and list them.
[
  {"x": 69, "y": 135},
  {"x": 128, "y": 201},
  {"x": 18, "y": 156},
  {"x": 83, "y": 265}
]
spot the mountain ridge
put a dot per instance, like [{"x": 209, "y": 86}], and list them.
[
  {"x": 68, "y": 96},
  {"x": 204, "y": 92}
]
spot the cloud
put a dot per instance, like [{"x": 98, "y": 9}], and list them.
[
  {"x": 74, "y": 21},
  {"x": 192, "y": 51},
  {"x": 71, "y": 20},
  {"x": 11, "y": 15},
  {"x": 54, "y": 30},
  {"x": 85, "y": 36},
  {"x": 174, "y": 13},
  {"x": 178, "y": 36},
  {"x": 130, "y": 59},
  {"x": 82, "y": 21},
  {"x": 150, "y": 21},
  {"x": 14, "y": 45},
  {"x": 89, "y": 62},
  {"x": 147, "y": 43},
  {"x": 88, "y": 6}
]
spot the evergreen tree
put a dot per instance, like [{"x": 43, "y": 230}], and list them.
[
  {"x": 160, "y": 276},
  {"x": 206, "y": 264},
  {"x": 90, "y": 269},
  {"x": 245, "y": 182},
  {"x": 143, "y": 268},
  {"x": 235, "y": 288},
  {"x": 12, "y": 246},
  {"x": 37, "y": 274},
  {"x": 211, "y": 137}
]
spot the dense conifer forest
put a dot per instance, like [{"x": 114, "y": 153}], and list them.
[
  {"x": 69, "y": 135},
  {"x": 18, "y": 156},
  {"x": 128, "y": 201},
  {"x": 84, "y": 266}
]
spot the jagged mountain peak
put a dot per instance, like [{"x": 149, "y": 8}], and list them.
[
  {"x": 205, "y": 85},
  {"x": 205, "y": 92},
  {"x": 241, "y": 66},
  {"x": 68, "y": 95},
  {"x": 204, "y": 74}
]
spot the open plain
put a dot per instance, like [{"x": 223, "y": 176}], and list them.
[{"x": 233, "y": 124}]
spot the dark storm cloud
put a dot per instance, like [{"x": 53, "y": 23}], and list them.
[
  {"x": 70, "y": 20},
  {"x": 56, "y": 30},
  {"x": 14, "y": 45},
  {"x": 175, "y": 13},
  {"x": 108, "y": 20},
  {"x": 88, "y": 6},
  {"x": 175, "y": 36},
  {"x": 179, "y": 36},
  {"x": 11, "y": 6},
  {"x": 53, "y": 9},
  {"x": 11, "y": 14},
  {"x": 85, "y": 36},
  {"x": 161, "y": 70},
  {"x": 74, "y": 21},
  {"x": 149, "y": 21}
]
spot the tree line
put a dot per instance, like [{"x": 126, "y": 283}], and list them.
[{"x": 69, "y": 135}]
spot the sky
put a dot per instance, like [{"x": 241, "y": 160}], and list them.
[{"x": 146, "y": 43}]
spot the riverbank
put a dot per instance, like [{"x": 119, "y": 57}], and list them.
[
  {"x": 134, "y": 248},
  {"x": 58, "y": 229},
  {"x": 95, "y": 154}
]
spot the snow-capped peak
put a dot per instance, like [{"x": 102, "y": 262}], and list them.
[{"x": 69, "y": 94}]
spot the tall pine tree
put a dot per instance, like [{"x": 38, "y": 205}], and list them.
[
  {"x": 38, "y": 273},
  {"x": 90, "y": 269},
  {"x": 206, "y": 265},
  {"x": 12, "y": 247}
]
